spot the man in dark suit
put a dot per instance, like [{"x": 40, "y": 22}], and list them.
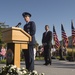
[
  {"x": 30, "y": 28},
  {"x": 47, "y": 42}
]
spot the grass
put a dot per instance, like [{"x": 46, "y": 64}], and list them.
[
  {"x": 70, "y": 49},
  {"x": 39, "y": 58},
  {"x": 3, "y": 61}
]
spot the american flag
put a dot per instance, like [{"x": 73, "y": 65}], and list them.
[
  {"x": 55, "y": 38},
  {"x": 64, "y": 36},
  {"x": 73, "y": 33}
]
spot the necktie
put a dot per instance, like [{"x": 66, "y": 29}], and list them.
[{"x": 45, "y": 33}]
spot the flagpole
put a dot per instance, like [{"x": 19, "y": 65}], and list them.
[
  {"x": 61, "y": 36},
  {"x": 62, "y": 40},
  {"x": 56, "y": 41},
  {"x": 53, "y": 37},
  {"x": 72, "y": 52},
  {"x": 72, "y": 43}
]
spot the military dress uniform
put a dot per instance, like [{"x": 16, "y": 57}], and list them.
[{"x": 30, "y": 28}]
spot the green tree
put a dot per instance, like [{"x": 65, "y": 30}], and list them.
[
  {"x": 0, "y": 33},
  {"x": 2, "y": 26}
]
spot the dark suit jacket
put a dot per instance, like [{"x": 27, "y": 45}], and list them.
[
  {"x": 47, "y": 38},
  {"x": 30, "y": 28}
]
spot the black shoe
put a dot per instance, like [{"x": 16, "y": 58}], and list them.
[
  {"x": 44, "y": 63},
  {"x": 47, "y": 64},
  {"x": 50, "y": 63}
]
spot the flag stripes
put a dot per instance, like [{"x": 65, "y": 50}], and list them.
[
  {"x": 55, "y": 37},
  {"x": 73, "y": 33},
  {"x": 64, "y": 36}
]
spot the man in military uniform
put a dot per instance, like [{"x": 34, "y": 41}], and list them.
[
  {"x": 30, "y": 28},
  {"x": 47, "y": 42}
]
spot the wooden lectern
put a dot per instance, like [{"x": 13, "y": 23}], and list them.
[{"x": 16, "y": 39}]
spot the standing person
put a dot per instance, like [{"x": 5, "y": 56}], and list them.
[
  {"x": 61, "y": 53},
  {"x": 30, "y": 28},
  {"x": 3, "y": 52},
  {"x": 53, "y": 51},
  {"x": 0, "y": 52},
  {"x": 47, "y": 42},
  {"x": 34, "y": 53}
]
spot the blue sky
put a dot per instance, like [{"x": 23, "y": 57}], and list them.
[{"x": 51, "y": 12}]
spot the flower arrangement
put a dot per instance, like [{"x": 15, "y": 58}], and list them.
[{"x": 13, "y": 70}]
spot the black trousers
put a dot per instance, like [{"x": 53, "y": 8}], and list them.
[
  {"x": 47, "y": 54},
  {"x": 29, "y": 58}
]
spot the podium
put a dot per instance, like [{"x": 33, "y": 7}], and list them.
[{"x": 16, "y": 39}]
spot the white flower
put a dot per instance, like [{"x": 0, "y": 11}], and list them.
[
  {"x": 23, "y": 68},
  {"x": 24, "y": 72},
  {"x": 35, "y": 72},
  {"x": 18, "y": 69},
  {"x": 42, "y": 74},
  {"x": 4, "y": 66},
  {"x": 12, "y": 67},
  {"x": 19, "y": 73},
  {"x": 10, "y": 70},
  {"x": 7, "y": 74}
]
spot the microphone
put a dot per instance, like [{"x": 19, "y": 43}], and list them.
[{"x": 18, "y": 24}]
